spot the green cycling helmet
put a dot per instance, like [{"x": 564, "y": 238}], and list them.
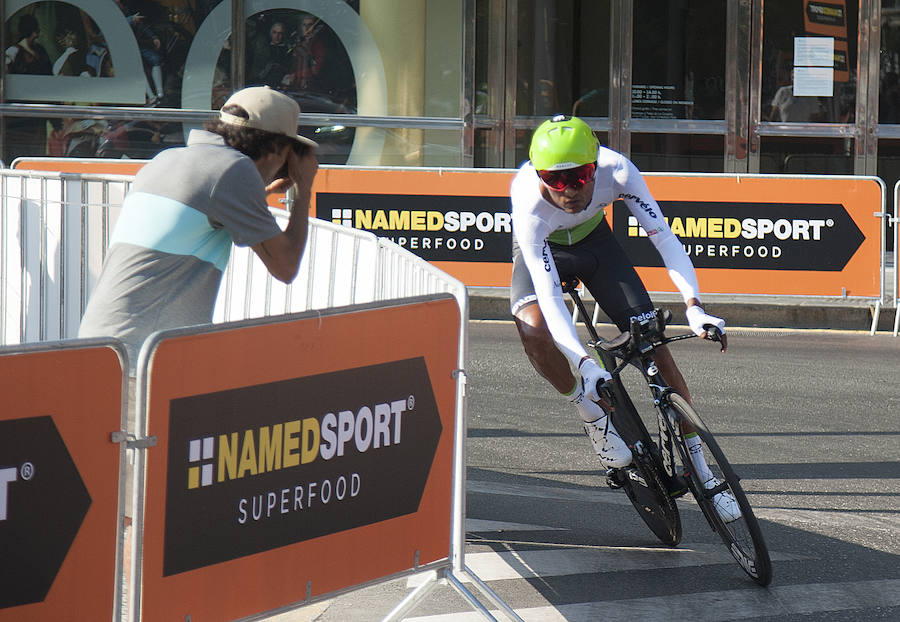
[{"x": 562, "y": 142}]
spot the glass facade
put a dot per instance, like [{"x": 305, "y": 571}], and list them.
[
  {"x": 809, "y": 78},
  {"x": 793, "y": 86},
  {"x": 562, "y": 62},
  {"x": 679, "y": 60},
  {"x": 380, "y": 83}
]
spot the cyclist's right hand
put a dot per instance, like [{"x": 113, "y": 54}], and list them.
[
  {"x": 707, "y": 326},
  {"x": 591, "y": 375}
]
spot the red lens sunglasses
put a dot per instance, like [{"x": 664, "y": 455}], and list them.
[{"x": 575, "y": 177}]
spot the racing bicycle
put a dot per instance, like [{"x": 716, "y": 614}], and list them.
[{"x": 662, "y": 471}]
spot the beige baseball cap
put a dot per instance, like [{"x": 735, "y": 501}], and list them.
[{"x": 269, "y": 110}]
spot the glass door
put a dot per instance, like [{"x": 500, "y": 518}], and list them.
[
  {"x": 678, "y": 82},
  {"x": 804, "y": 115}
]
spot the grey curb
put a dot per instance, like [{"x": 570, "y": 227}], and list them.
[{"x": 757, "y": 312}]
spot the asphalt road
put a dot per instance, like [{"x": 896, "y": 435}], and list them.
[{"x": 809, "y": 419}]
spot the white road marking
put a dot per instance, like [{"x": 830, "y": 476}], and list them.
[
  {"x": 561, "y": 561},
  {"x": 815, "y": 598},
  {"x": 824, "y": 521},
  {"x": 600, "y": 494},
  {"x": 479, "y": 525}
]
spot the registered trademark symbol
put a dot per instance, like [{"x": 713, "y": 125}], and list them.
[
  {"x": 410, "y": 402},
  {"x": 829, "y": 222},
  {"x": 27, "y": 471}
]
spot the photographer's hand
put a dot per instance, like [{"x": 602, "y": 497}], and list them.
[{"x": 302, "y": 171}]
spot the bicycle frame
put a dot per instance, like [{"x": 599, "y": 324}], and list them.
[
  {"x": 642, "y": 359},
  {"x": 720, "y": 496}
]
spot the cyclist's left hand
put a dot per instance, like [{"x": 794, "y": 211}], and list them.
[{"x": 703, "y": 324}]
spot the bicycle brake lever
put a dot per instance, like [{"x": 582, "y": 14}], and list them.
[
  {"x": 662, "y": 318},
  {"x": 605, "y": 390},
  {"x": 712, "y": 332}
]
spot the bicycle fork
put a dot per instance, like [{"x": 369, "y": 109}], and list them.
[
  {"x": 665, "y": 436},
  {"x": 667, "y": 426},
  {"x": 665, "y": 443},
  {"x": 677, "y": 478}
]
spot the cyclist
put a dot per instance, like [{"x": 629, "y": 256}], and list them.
[{"x": 560, "y": 232}]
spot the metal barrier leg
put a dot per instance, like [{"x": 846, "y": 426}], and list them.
[
  {"x": 413, "y": 598},
  {"x": 469, "y": 596},
  {"x": 896, "y": 319},
  {"x": 875, "y": 317},
  {"x": 492, "y": 595}
]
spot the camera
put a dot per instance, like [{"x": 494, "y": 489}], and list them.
[{"x": 299, "y": 148}]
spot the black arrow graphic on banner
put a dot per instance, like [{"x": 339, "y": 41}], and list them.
[
  {"x": 434, "y": 227},
  {"x": 43, "y": 502},
  {"x": 261, "y": 467},
  {"x": 749, "y": 236}
]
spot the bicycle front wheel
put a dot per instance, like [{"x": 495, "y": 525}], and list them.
[{"x": 740, "y": 531}]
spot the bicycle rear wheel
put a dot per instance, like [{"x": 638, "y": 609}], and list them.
[
  {"x": 647, "y": 492},
  {"x": 644, "y": 481},
  {"x": 743, "y": 535}
]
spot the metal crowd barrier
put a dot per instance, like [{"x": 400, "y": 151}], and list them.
[
  {"x": 341, "y": 266},
  {"x": 54, "y": 231},
  {"x": 896, "y": 222},
  {"x": 55, "y": 228}
]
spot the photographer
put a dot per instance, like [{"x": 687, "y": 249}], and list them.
[{"x": 189, "y": 204}]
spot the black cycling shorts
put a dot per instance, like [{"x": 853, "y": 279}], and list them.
[{"x": 599, "y": 262}]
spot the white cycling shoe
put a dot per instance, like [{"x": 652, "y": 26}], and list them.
[
  {"x": 609, "y": 446},
  {"x": 725, "y": 503}
]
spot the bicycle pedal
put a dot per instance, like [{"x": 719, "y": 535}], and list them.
[{"x": 614, "y": 478}]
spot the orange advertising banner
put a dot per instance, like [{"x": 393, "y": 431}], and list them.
[
  {"x": 745, "y": 234},
  {"x": 320, "y": 457},
  {"x": 59, "y": 487},
  {"x": 101, "y": 167},
  {"x": 841, "y": 61},
  {"x": 803, "y": 236},
  {"x": 456, "y": 219},
  {"x": 83, "y": 167},
  {"x": 472, "y": 240},
  {"x": 823, "y": 239}
]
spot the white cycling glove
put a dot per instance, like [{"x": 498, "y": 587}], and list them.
[
  {"x": 698, "y": 318},
  {"x": 591, "y": 374}
]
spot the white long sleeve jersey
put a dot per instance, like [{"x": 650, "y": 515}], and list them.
[{"x": 535, "y": 219}]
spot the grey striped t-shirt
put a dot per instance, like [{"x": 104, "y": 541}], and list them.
[{"x": 173, "y": 239}]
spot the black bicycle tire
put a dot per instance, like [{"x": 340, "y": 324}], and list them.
[
  {"x": 756, "y": 563},
  {"x": 653, "y": 503}
]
